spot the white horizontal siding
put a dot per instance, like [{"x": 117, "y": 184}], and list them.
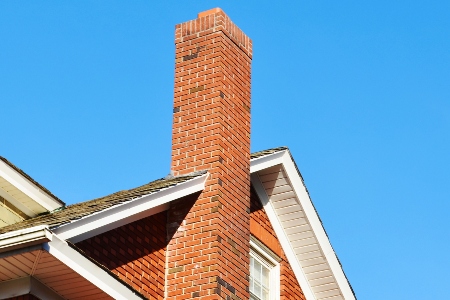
[{"x": 300, "y": 234}]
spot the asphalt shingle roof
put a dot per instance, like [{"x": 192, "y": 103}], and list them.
[
  {"x": 80, "y": 210},
  {"x": 267, "y": 152},
  {"x": 77, "y": 211}
]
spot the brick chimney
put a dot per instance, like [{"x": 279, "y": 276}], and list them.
[{"x": 208, "y": 251}]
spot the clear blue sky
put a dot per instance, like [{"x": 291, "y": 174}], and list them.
[{"x": 358, "y": 90}]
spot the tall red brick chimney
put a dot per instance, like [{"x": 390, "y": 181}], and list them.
[{"x": 208, "y": 251}]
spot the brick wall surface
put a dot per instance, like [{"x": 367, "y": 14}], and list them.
[
  {"x": 24, "y": 297},
  {"x": 261, "y": 228},
  {"x": 208, "y": 254},
  {"x": 135, "y": 252}
]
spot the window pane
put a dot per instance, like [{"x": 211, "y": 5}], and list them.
[
  {"x": 258, "y": 290},
  {"x": 265, "y": 276},
  {"x": 265, "y": 294},
  {"x": 259, "y": 279},
  {"x": 257, "y": 267}
]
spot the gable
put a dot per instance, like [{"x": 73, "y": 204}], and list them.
[
  {"x": 261, "y": 229},
  {"x": 298, "y": 227}
]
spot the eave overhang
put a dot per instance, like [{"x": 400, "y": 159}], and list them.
[
  {"x": 21, "y": 191},
  {"x": 50, "y": 268}
]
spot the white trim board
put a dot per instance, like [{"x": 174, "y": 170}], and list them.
[
  {"x": 73, "y": 259},
  {"x": 28, "y": 188},
  {"x": 24, "y": 238},
  {"x": 127, "y": 212},
  {"x": 90, "y": 271},
  {"x": 304, "y": 205}
]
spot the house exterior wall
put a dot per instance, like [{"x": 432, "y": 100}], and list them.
[
  {"x": 261, "y": 228},
  {"x": 135, "y": 252},
  {"x": 208, "y": 256}
]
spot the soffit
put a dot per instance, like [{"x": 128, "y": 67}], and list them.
[
  {"x": 51, "y": 272},
  {"x": 23, "y": 192}
]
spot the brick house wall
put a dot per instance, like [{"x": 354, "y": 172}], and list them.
[
  {"x": 261, "y": 228},
  {"x": 135, "y": 252}
]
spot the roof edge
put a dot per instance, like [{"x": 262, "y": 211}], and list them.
[
  {"x": 31, "y": 180},
  {"x": 129, "y": 211}
]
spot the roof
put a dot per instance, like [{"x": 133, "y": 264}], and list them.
[
  {"x": 80, "y": 210},
  {"x": 282, "y": 191},
  {"x": 28, "y": 177},
  {"x": 66, "y": 214},
  {"x": 267, "y": 152}
]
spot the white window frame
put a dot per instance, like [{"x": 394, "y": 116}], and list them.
[{"x": 266, "y": 257}]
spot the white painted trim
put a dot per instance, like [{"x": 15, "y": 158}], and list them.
[
  {"x": 282, "y": 238},
  {"x": 129, "y": 211},
  {"x": 90, "y": 271},
  {"x": 260, "y": 247},
  {"x": 267, "y": 161},
  {"x": 28, "y": 188},
  {"x": 316, "y": 225},
  {"x": 24, "y": 238}
]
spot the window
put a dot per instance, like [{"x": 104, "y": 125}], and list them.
[{"x": 264, "y": 272}]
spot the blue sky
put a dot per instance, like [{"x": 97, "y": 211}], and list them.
[{"x": 358, "y": 90}]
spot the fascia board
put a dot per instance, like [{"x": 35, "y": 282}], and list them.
[
  {"x": 282, "y": 238},
  {"x": 90, "y": 271},
  {"x": 27, "y": 187},
  {"x": 315, "y": 223},
  {"x": 267, "y": 161},
  {"x": 122, "y": 214},
  {"x": 24, "y": 238}
]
